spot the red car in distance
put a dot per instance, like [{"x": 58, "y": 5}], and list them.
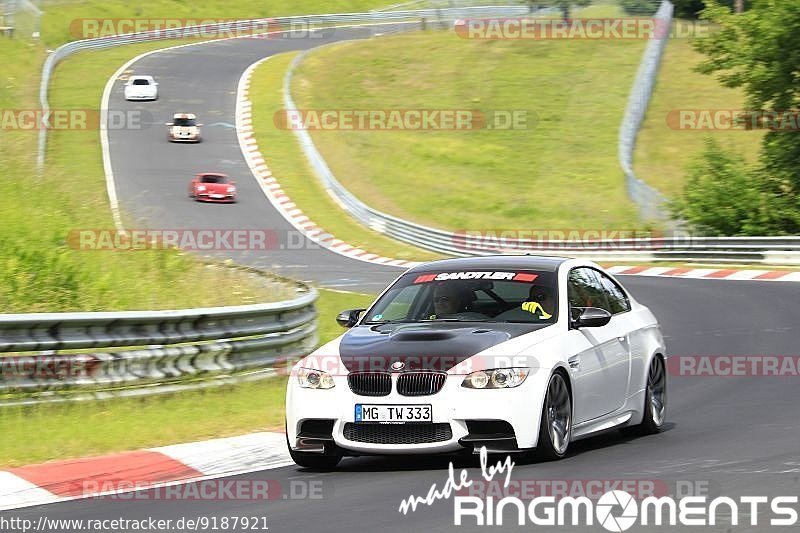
[{"x": 212, "y": 187}]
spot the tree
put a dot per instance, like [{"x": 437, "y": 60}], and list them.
[
  {"x": 564, "y": 6},
  {"x": 690, "y": 9},
  {"x": 759, "y": 51}
]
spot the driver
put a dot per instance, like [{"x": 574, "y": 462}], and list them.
[
  {"x": 452, "y": 300},
  {"x": 448, "y": 299},
  {"x": 544, "y": 296}
]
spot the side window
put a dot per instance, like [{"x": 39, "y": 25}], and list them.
[
  {"x": 578, "y": 288},
  {"x": 585, "y": 290},
  {"x": 617, "y": 299}
]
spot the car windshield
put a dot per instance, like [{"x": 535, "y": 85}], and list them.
[
  {"x": 469, "y": 296},
  {"x": 141, "y": 81},
  {"x": 185, "y": 122},
  {"x": 213, "y": 179}
]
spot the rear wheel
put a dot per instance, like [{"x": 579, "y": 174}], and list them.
[{"x": 555, "y": 428}]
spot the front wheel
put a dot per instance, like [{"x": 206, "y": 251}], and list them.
[
  {"x": 555, "y": 428},
  {"x": 655, "y": 398}
]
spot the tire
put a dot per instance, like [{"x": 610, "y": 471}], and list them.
[
  {"x": 555, "y": 426},
  {"x": 313, "y": 461},
  {"x": 655, "y": 398}
]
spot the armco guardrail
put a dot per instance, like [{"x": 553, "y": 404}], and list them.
[
  {"x": 297, "y": 22},
  {"x": 183, "y": 349},
  {"x": 649, "y": 201}
]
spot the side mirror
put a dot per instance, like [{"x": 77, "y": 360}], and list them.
[
  {"x": 589, "y": 317},
  {"x": 199, "y": 125},
  {"x": 349, "y": 318},
  {"x": 169, "y": 123}
]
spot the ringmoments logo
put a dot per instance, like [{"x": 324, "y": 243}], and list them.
[{"x": 618, "y": 510}]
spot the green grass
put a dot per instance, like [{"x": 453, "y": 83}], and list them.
[
  {"x": 59, "y": 14},
  {"x": 39, "y": 271},
  {"x": 561, "y": 173},
  {"x": 81, "y": 429},
  {"x": 663, "y": 153},
  {"x": 291, "y": 169}
]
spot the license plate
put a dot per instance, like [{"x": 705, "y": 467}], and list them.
[
  {"x": 393, "y": 413},
  {"x": 217, "y": 196}
]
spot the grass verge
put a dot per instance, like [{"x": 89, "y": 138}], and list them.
[
  {"x": 82, "y": 429},
  {"x": 290, "y": 167},
  {"x": 663, "y": 151},
  {"x": 561, "y": 171},
  {"x": 39, "y": 271}
]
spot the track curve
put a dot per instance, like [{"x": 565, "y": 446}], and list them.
[
  {"x": 738, "y": 436},
  {"x": 152, "y": 175}
]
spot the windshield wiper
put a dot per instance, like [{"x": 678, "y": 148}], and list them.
[{"x": 450, "y": 319}]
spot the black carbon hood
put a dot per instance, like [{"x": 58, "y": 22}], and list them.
[{"x": 439, "y": 346}]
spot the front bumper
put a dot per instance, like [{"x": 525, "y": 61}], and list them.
[
  {"x": 140, "y": 97},
  {"x": 458, "y": 407},
  {"x": 205, "y": 197}
]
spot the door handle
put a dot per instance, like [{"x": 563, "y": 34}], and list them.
[{"x": 575, "y": 363}]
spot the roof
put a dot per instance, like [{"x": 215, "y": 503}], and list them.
[
  {"x": 495, "y": 262},
  {"x": 184, "y": 115}
]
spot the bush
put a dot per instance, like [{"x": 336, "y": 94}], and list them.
[{"x": 722, "y": 196}]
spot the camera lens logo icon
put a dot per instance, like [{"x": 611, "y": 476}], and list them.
[{"x": 620, "y": 521}]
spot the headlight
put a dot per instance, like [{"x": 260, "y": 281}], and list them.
[
  {"x": 497, "y": 378},
  {"x": 231, "y": 189},
  {"x": 308, "y": 378},
  {"x": 201, "y": 188}
]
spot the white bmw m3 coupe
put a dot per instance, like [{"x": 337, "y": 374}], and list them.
[{"x": 518, "y": 354}]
